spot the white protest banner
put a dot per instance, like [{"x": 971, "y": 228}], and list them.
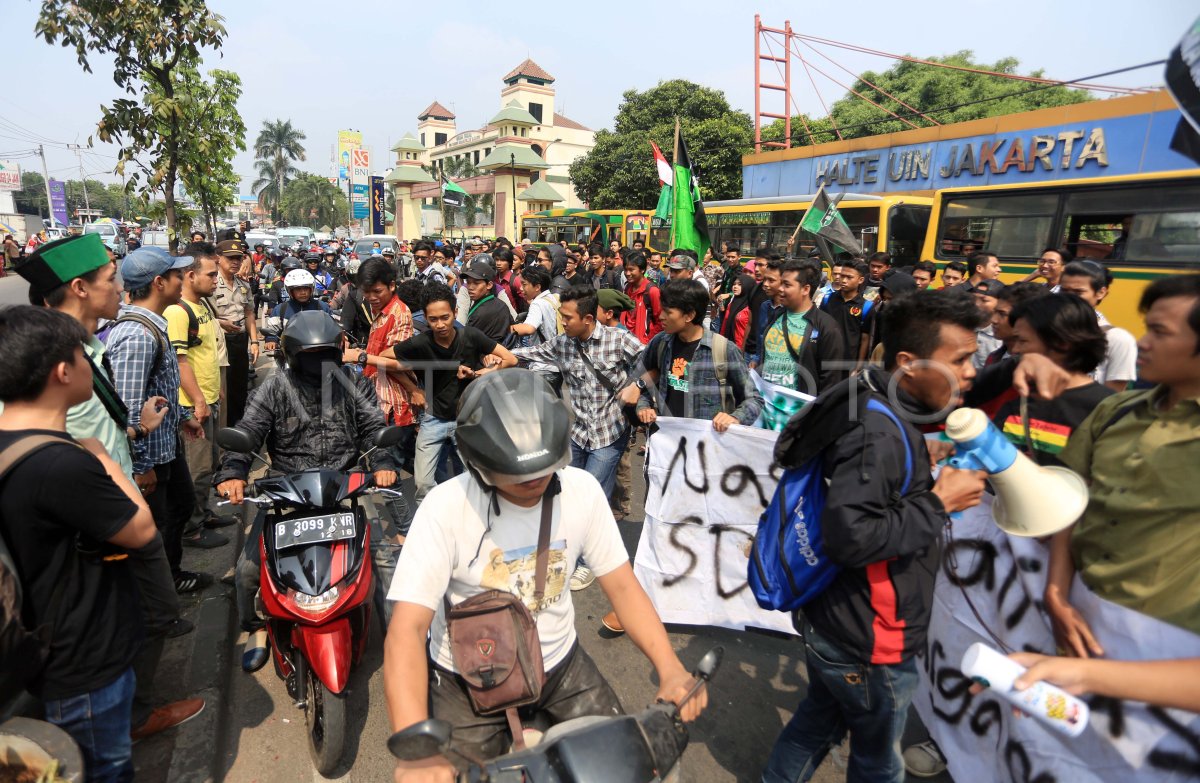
[
  {"x": 779, "y": 403},
  {"x": 706, "y": 491},
  {"x": 1005, "y": 577}
]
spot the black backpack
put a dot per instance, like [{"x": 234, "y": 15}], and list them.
[{"x": 23, "y": 651}]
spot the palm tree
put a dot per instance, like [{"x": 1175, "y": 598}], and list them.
[
  {"x": 266, "y": 185},
  {"x": 313, "y": 200},
  {"x": 463, "y": 168},
  {"x": 277, "y": 145}
]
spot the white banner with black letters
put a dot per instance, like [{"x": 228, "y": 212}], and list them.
[
  {"x": 706, "y": 491},
  {"x": 1005, "y": 578}
]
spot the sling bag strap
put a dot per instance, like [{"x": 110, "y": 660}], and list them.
[
  {"x": 607, "y": 384},
  {"x": 543, "y": 550}
]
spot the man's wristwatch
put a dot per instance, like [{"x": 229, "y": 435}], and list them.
[
  {"x": 362, "y": 359},
  {"x": 641, "y": 384}
]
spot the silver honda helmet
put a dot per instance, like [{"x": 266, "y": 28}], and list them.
[{"x": 512, "y": 428}]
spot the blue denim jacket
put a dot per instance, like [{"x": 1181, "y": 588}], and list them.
[{"x": 704, "y": 391}]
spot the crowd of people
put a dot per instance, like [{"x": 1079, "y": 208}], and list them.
[{"x": 125, "y": 390}]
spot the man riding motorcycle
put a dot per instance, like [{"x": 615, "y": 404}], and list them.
[
  {"x": 323, "y": 281},
  {"x": 301, "y": 298},
  {"x": 309, "y": 418}
]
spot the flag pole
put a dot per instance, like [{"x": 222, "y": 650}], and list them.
[{"x": 674, "y": 217}]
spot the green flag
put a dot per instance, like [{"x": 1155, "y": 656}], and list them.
[
  {"x": 823, "y": 220},
  {"x": 452, "y": 195},
  {"x": 665, "y": 198},
  {"x": 689, "y": 226}
]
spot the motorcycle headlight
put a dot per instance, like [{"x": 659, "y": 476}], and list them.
[{"x": 315, "y": 603}]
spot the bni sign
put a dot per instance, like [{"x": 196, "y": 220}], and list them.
[
  {"x": 10, "y": 175},
  {"x": 361, "y": 164}
]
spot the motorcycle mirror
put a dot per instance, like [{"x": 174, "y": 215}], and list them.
[
  {"x": 233, "y": 439},
  {"x": 709, "y": 663},
  {"x": 388, "y": 437},
  {"x": 420, "y": 740}
]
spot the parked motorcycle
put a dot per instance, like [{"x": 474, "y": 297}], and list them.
[
  {"x": 316, "y": 585},
  {"x": 642, "y": 748}
]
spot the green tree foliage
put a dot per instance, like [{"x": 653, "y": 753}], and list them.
[
  {"x": 148, "y": 41},
  {"x": 477, "y": 208},
  {"x": 277, "y": 145},
  {"x": 110, "y": 199},
  {"x": 312, "y": 200},
  {"x": 31, "y": 198},
  {"x": 619, "y": 172},
  {"x": 926, "y": 88},
  {"x": 206, "y": 159}
]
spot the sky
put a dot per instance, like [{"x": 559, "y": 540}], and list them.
[{"x": 372, "y": 65}]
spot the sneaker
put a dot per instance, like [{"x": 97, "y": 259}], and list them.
[
  {"x": 212, "y": 522},
  {"x": 611, "y": 622},
  {"x": 190, "y": 581},
  {"x": 582, "y": 578},
  {"x": 205, "y": 539},
  {"x": 168, "y": 717},
  {"x": 924, "y": 760}
]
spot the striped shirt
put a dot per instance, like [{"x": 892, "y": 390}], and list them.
[
  {"x": 614, "y": 353},
  {"x": 143, "y": 366}
]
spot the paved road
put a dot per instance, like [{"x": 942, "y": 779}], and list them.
[
  {"x": 760, "y": 682},
  {"x": 13, "y": 289}
]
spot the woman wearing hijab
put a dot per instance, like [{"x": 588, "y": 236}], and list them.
[{"x": 736, "y": 323}]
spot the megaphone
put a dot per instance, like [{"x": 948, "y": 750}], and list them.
[{"x": 1031, "y": 500}]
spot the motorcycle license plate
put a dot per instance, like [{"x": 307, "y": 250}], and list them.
[{"x": 314, "y": 530}]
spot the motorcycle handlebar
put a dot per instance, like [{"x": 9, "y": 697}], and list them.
[{"x": 263, "y": 500}]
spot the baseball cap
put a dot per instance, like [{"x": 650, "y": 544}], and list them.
[
  {"x": 61, "y": 261},
  {"x": 680, "y": 262},
  {"x": 481, "y": 268},
  {"x": 988, "y": 287},
  {"x": 140, "y": 267}
]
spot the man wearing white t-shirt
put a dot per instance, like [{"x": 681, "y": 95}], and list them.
[
  {"x": 479, "y": 532},
  {"x": 1090, "y": 281}
]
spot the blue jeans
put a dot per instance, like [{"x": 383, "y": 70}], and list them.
[
  {"x": 99, "y": 722},
  {"x": 433, "y": 434},
  {"x": 869, "y": 701},
  {"x": 601, "y": 462}
]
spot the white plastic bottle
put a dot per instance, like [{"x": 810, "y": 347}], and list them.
[{"x": 1048, "y": 703}]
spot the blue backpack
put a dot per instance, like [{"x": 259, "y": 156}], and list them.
[{"x": 788, "y": 566}]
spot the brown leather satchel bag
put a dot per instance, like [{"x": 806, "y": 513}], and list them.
[{"x": 495, "y": 646}]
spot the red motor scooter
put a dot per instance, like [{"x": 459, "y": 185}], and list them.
[{"x": 316, "y": 586}]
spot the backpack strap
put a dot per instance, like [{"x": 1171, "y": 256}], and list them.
[
  {"x": 159, "y": 339},
  {"x": 720, "y": 353},
  {"x": 1120, "y": 413},
  {"x": 877, "y": 406}
]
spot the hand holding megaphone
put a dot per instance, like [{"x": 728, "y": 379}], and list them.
[
  {"x": 1030, "y": 500},
  {"x": 960, "y": 489}
]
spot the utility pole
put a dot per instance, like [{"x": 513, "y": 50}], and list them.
[
  {"x": 46, "y": 175},
  {"x": 512, "y": 159},
  {"x": 87, "y": 204}
]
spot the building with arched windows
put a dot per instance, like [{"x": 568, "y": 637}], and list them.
[{"x": 517, "y": 162}]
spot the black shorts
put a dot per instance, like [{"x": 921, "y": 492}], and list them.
[{"x": 575, "y": 688}]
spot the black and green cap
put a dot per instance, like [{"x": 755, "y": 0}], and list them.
[{"x": 61, "y": 261}]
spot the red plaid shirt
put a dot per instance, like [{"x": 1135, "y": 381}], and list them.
[{"x": 393, "y": 325}]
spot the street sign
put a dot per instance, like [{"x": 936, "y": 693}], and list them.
[
  {"x": 360, "y": 201},
  {"x": 10, "y": 175}
]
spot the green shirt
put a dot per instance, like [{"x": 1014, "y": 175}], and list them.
[
  {"x": 1138, "y": 542},
  {"x": 779, "y": 363}
]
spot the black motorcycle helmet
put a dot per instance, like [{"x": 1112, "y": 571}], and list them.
[
  {"x": 290, "y": 263},
  {"x": 312, "y": 257},
  {"x": 311, "y": 331},
  {"x": 512, "y": 428}
]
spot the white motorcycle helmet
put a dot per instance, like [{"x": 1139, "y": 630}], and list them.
[{"x": 299, "y": 278}]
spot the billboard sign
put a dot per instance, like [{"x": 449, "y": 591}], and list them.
[
  {"x": 58, "y": 202},
  {"x": 10, "y": 175},
  {"x": 360, "y": 162},
  {"x": 360, "y": 206},
  {"x": 378, "y": 221},
  {"x": 347, "y": 141}
]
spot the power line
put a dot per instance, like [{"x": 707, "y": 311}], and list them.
[{"x": 1039, "y": 88}]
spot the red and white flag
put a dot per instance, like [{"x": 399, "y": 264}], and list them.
[{"x": 666, "y": 174}]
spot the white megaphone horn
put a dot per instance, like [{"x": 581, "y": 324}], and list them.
[{"x": 1031, "y": 500}]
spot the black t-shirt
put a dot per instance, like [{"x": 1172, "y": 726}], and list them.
[
  {"x": 675, "y": 375},
  {"x": 98, "y": 629},
  {"x": 491, "y": 317},
  {"x": 854, "y": 316},
  {"x": 1050, "y": 422},
  {"x": 469, "y": 347}
]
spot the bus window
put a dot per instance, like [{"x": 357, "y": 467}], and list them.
[
  {"x": 531, "y": 231},
  {"x": 1151, "y": 223},
  {"x": 1010, "y": 225},
  {"x": 906, "y": 233}
]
